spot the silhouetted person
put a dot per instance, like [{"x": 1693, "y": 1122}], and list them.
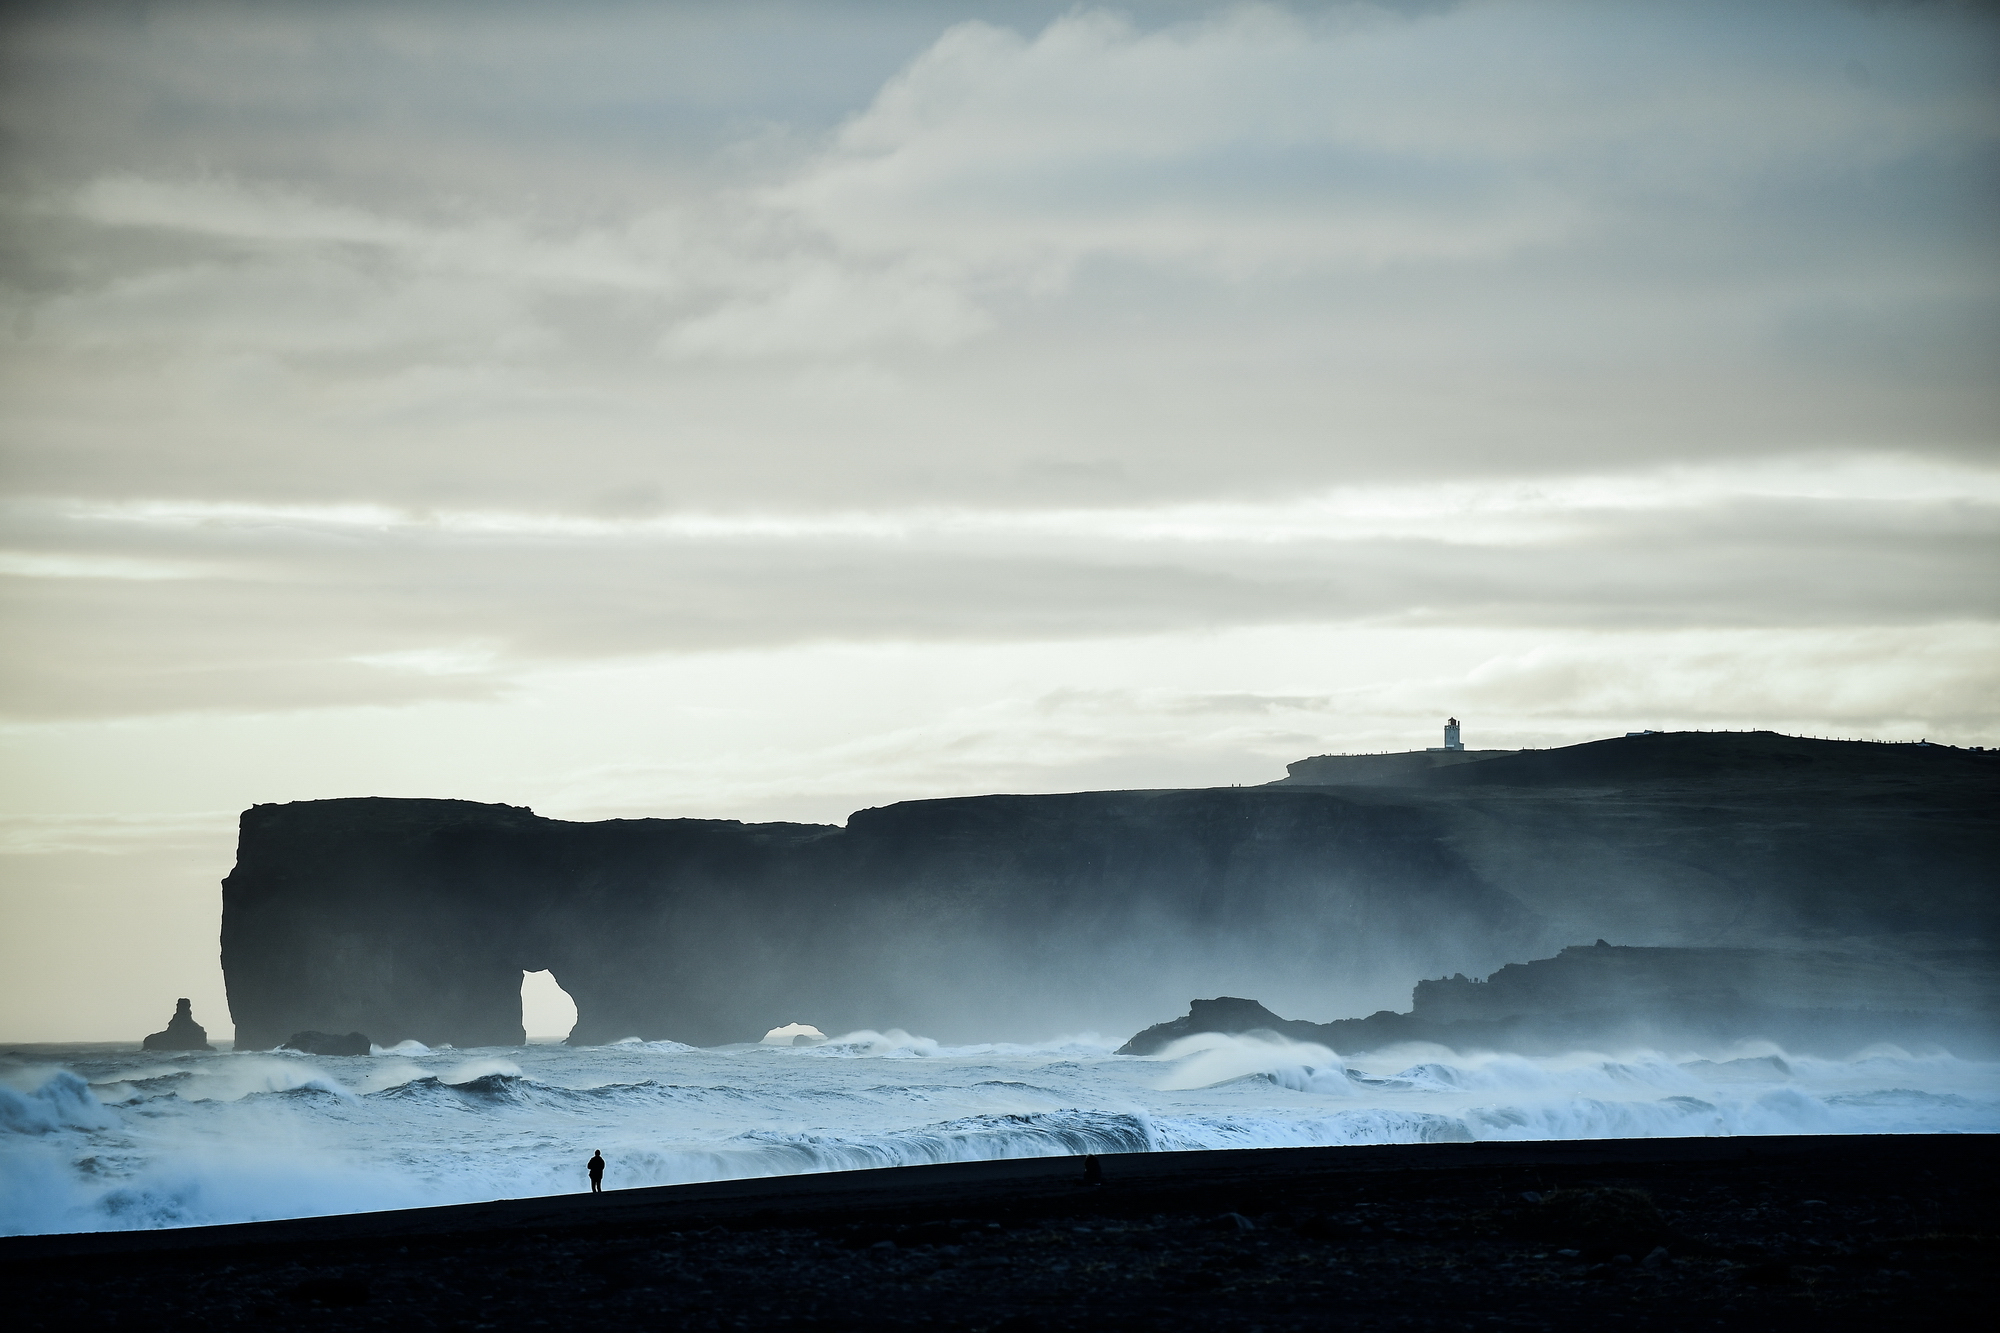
[
  {"x": 596, "y": 1172},
  {"x": 1093, "y": 1170}
]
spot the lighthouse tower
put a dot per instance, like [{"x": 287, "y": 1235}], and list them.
[{"x": 1451, "y": 740}]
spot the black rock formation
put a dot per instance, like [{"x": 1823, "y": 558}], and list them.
[
  {"x": 992, "y": 916},
  {"x": 1225, "y": 1015},
  {"x": 1023, "y": 916},
  {"x": 326, "y": 1043},
  {"x": 182, "y": 1034},
  {"x": 1602, "y": 993}
]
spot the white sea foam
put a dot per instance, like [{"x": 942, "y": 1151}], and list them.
[
  {"x": 58, "y": 1101},
  {"x": 401, "y": 1048},
  {"x": 94, "y": 1140}
]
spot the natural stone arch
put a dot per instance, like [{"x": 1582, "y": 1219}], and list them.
[{"x": 545, "y": 1005}]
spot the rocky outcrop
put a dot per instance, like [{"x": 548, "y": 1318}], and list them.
[
  {"x": 1602, "y": 978},
  {"x": 182, "y": 1032},
  {"x": 1014, "y": 917},
  {"x": 1812, "y": 1002},
  {"x": 1225, "y": 1015},
  {"x": 326, "y": 1043}
]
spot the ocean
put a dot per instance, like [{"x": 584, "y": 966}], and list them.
[{"x": 100, "y": 1137}]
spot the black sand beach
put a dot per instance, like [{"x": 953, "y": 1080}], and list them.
[{"x": 1795, "y": 1232}]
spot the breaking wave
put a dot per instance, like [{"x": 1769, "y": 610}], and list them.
[{"x": 92, "y": 1141}]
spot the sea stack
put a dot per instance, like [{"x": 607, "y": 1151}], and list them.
[{"x": 182, "y": 1034}]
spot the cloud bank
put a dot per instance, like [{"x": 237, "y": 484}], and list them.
[{"x": 769, "y": 409}]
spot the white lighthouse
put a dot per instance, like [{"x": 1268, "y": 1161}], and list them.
[{"x": 1451, "y": 740}]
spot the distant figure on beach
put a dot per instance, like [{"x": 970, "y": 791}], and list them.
[
  {"x": 596, "y": 1171},
  {"x": 1093, "y": 1170}
]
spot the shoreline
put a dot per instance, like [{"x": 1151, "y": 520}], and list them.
[
  {"x": 1751, "y": 1231},
  {"x": 1021, "y": 1181}
]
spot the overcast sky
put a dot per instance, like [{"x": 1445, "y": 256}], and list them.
[{"x": 766, "y": 410}]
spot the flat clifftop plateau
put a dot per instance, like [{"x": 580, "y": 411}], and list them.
[
  {"x": 1373, "y": 770},
  {"x": 1705, "y": 758},
  {"x": 1015, "y": 917},
  {"x": 1811, "y": 1002}
]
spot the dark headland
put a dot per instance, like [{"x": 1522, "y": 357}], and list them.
[
  {"x": 1012, "y": 917},
  {"x": 1610, "y": 997},
  {"x": 1744, "y": 1233}
]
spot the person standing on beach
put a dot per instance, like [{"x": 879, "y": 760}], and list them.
[{"x": 596, "y": 1171}]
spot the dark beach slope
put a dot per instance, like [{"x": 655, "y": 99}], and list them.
[{"x": 1763, "y": 1233}]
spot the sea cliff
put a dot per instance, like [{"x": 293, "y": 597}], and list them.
[{"x": 1021, "y": 916}]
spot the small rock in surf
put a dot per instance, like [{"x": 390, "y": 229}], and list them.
[{"x": 326, "y": 1043}]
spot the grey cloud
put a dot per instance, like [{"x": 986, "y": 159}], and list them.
[
  {"x": 275, "y": 614},
  {"x": 687, "y": 248},
  {"x": 1871, "y": 681},
  {"x": 438, "y": 104},
  {"x": 812, "y": 259},
  {"x": 1230, "y": 409},
  {"x": 1186, "y": 705}
]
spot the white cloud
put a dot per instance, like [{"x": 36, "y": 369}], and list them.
[
  {"x": 1538, "y": 512},
  {"x": 1861, "y": 682},
  {"x": 1230, "y": 143},
  {"x": 459, "y": 660},
  {"x": 1258, "y": 140},
  {"x": 83, "y": 565},
  {"x": 824, "y": 308},
  {"x": 638, "y": 256}
]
